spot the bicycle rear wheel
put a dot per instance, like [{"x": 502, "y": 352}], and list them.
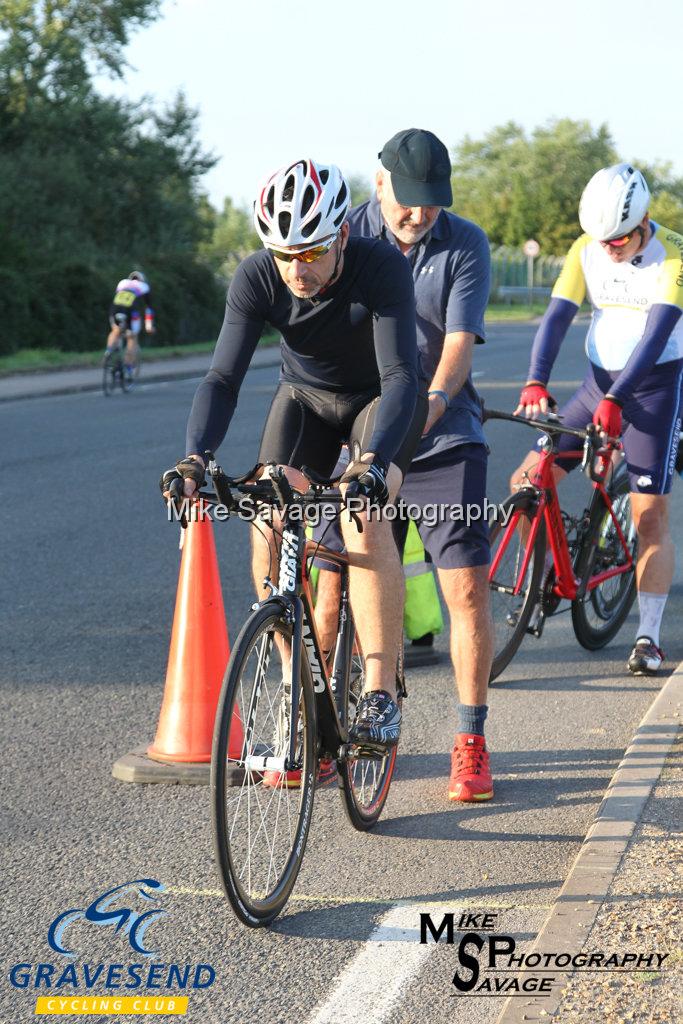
[
  {"x": 260, "y": 827},
  {"x": 364, "y": 781},
  {"x": 599, "y": 615},
  {"x": 511, "y": 611}
]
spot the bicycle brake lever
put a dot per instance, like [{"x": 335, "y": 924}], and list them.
[{"x": 177, "y": 499}]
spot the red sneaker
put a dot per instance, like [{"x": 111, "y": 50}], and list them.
[
  {"x": 292, "y": 779},
  {"x": 470, "y": 772}
]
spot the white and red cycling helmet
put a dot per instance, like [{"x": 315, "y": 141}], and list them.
[
  {"x": 614, "y": 202},
  {"x": 301, "y": 204}
]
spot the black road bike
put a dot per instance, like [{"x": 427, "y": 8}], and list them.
[
  {"x": 113, "y": 367},
  {"x": 285, "y": 710}
]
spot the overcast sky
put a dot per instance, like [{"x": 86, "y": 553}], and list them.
[{"x": 275, "y": 80}]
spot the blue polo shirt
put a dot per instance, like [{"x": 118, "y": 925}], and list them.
[{"x": 452, "y": 271}]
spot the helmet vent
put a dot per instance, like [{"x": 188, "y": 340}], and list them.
[
  {"x": 324, "y": 174},
  {"x": 308, "y": 229},
  {"x": 288, "y": 190},
  {"x": 270, "y": 201},
  {"x": 308, "y": 200},
  {"x": 284, "y": 220},
  {"x": 264, "y": 227},
  {"x": 341, "y": 197}
]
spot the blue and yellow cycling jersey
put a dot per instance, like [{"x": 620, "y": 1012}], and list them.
[{"x": 622, "y": 294}]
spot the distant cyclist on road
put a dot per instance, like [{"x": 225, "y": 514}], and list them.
[
  {"x": 632, "y": 271},
  {"x": 346, "y": 311},
  {"x": 132, "y": 301}
]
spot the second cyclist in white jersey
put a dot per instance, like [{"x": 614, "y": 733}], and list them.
[{"x": 631, "y": 270}]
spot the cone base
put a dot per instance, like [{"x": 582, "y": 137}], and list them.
[{"x": 138, "y": 767}]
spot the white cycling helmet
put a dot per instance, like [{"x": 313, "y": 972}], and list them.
[
  {"x": 301, "y": 204},
  {"x": 614, "y": 201}
]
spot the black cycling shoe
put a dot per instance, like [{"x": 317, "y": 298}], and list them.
[
  {"x": 378, "y": 721},
  {"x": 646, "y": 658}
]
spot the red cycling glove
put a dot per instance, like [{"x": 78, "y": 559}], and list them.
[
  {"x": 607, "y": 416},
  {"x": 534, "y": 392}
]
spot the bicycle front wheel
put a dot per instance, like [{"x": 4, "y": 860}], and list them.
[
  {"x": 108, "y": 375},
  {"x": 260, "y": 825},
  {"x": 364, "y": 781},
  {"x": 514, "y": 587},
  {"x": 599, "y": 615}
]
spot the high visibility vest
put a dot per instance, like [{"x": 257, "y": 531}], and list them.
[{"x": 422, "y": 612}]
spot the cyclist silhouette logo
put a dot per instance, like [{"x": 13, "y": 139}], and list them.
[{"x": 102, "y": 912}]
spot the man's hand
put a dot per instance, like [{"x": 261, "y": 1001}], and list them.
[
  {"x": 607, "y": 417},
  {"x": 435, "y": 410},
  {"x": 367, "y": 480},
  {"x": 190, "y": 471},
  {"x": 535, "y": 399}
]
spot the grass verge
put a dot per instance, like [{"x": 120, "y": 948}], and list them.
[{"x": 35, "y": 360}]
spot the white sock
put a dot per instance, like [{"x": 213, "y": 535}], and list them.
[{"x": 651, "y": 610}]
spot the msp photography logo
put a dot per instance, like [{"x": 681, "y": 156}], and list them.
[
  {"x": 124, "y": 914},
  {"x": 488, "y": 963}
]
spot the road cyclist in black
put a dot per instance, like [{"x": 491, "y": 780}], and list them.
[{"x": 350, "y": 374}]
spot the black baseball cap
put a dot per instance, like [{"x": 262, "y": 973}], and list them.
[{"x": 420, "y": 168}]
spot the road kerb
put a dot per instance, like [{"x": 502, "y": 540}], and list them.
[
  {"x": 591, "y": 875},
  {"x": 44, "y": 384}
]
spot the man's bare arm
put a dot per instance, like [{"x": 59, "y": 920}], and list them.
[{"x": 451, "y": 373}]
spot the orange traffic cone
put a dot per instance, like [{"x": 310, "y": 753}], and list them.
[
  {"x": 198, "y": 656},
  {"x": 196, "y": 664}
]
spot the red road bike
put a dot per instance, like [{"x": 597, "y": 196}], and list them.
[{"x": 592, "y": 555}]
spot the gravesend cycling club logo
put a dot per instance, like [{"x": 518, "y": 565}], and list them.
[
  {"x": 488, "y": 963},
  {"x": 101, "y": 912},
  {"x": 124, "y": 914}
]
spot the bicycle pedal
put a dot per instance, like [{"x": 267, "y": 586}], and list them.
[
  {"x": 372, "y": 752},
  {"x": 537, "y": 628}
]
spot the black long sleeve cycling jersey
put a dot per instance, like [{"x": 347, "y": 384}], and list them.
[{"x": 358, "y": 335}]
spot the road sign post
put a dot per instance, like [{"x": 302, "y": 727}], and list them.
[{"x": 531, "y": 249}]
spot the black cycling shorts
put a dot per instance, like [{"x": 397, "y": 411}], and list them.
[
  {"x": 133, "y": 317},
  {"x": 308, "y": 426}
]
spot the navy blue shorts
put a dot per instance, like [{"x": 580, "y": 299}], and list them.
[
  {"x": 438, "y": 492},
  {"x": 652, "y": 424}
]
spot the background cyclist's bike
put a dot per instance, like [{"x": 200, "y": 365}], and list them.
[
  {"x": 284, "y": 714},
  {"x": 591, "y": 555},
  {"x": 113, "y": 369}
]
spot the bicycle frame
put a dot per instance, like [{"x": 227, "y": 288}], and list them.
[
  {"x": 566, "y": 584},
  {"x": 294, "y": 591}
]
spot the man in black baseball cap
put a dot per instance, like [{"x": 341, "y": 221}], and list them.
[
  {"x": 450, "y": 261},
  {"x": 420, "y": 168}
]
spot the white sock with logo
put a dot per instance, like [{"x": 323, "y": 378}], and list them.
[{"x": 651, "y": 610}]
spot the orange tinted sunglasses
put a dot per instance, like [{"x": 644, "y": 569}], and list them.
[{"x": 305, "y": 255}]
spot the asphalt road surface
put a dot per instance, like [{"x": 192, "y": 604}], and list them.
[{"x": 88, "y": 587}]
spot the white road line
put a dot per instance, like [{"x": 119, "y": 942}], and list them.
[{"x": 369, "y": 987}]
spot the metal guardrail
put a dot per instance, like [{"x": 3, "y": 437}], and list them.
[
  {"x": 509, "y": 274},
  {"x": 520, "y": 293}
]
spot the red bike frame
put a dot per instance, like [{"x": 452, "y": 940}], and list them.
[{"x": 566, "y": 584}]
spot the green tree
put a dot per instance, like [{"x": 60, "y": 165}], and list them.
[
  {"x": 91, "y": 186},
  {"x": 233, "y": 237},
  {"x": 518, "y": 186},
  {"x": 360, "y": 188},
  {"x": 50, "y": 45}
]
